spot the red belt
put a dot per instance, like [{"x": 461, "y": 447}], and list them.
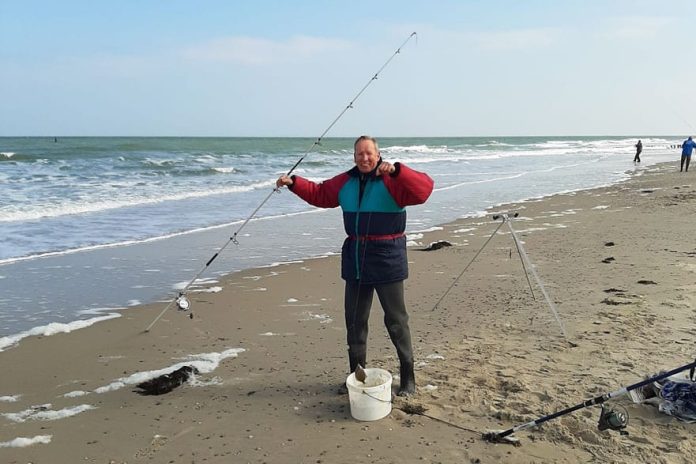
[{"x": 375, "y": 237}]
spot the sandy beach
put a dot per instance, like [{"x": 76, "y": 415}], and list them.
[{"x": 618, "y": 262}]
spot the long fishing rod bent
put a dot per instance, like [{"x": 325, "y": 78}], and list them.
[
  {"x": 181, "y": 299},
  {"x": 499, "y": 436}
]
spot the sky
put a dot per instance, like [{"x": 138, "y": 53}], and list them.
[{"x": 267, "y": 68}]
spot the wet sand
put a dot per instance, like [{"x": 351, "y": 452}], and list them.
[{"x": 489, "y": 356}]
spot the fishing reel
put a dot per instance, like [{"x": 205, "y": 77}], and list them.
[
  {"x": 505, "y": 215},
  {"x": 613, "y": 419},
  {"x": 184, "y": 304}
]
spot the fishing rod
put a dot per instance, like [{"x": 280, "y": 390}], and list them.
[
  {"x": 181, "y": 300},
  {"x": 609, "y": 419}
]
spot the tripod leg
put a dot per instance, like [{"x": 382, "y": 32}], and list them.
[
  {"x": 552, "y": 307},
  {"x": 524, "y": 266}
]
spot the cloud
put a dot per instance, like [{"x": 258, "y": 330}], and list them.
[
  {"x": 258, "y": 51},
  {"x": 519, "y": 39},
  {"x": 636, "y": 27}
]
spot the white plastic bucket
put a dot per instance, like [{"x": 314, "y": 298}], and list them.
[{"x": 371, "y": 400}]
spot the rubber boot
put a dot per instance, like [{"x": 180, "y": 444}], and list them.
[
  {"x": 356, "y": 355},
  {"x": 401, "y": 338},
  {"x": 408, "y": 380}
]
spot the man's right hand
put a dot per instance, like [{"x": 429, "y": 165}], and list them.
[{"x": 284, "y": 181}]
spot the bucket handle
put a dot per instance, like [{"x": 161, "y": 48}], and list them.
[{"x": 377, "y": 399}]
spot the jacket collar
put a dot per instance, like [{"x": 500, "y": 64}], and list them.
[{"x": 355, "y": 172}]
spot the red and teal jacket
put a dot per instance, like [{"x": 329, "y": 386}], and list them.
[{"x": 374, "y": 218}]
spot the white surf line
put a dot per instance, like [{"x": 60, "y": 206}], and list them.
[
  {"x": 147, "y": 240},
  {"x": 22, "y": 442},
  {"x": 44, "y": 413},
  {"x": 106, "y": 205},
  {"x": 199, "y": 285},
  {"x": 537, "y": 229},
  {"x": 206, "y": 290},
  {"x": 204, "y": 362},
  {"x": 52, "y": 329}
]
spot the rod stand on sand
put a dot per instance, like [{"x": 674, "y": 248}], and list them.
[
  {"x": 609, "y": 418},
  {"x": 529, "y": 268},
  {"x": 507, "y": 218}
]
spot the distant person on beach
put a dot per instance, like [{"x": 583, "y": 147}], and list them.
[
  {"x": 639, "y": 149},
  {"x": 687, "y": 147},
  {"x": 373, "y": 196}
]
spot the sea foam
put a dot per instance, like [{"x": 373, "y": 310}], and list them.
[
  {"x": 44, "y": 413},
  {"x": 52, "y": 329},
  {"x": 22, "y": 442},
  {"x": 204, "y": 362}
]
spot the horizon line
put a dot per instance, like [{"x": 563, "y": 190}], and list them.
[{"x": 337, "y": 136}]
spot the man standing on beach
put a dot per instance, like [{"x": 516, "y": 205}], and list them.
[
  {"x": 639, "y": 149},
  {"x": 687, "y": 148},
  {"x": 373, "y": 196}
]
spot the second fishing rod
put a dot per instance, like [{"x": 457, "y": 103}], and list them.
[{"x": 181, "y": 300}]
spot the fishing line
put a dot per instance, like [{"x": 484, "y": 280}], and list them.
[
  {"x": 354, "y": 313},
  {"x": 678, "y": 114},
  {"x": 683, "y": 119},
  {"x": 181, "y": 300},
  {"x": 419, "y": 410},
  {"x": 362, "y": 257}
]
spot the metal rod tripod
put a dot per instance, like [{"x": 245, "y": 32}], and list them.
[{"x": 528, "y": 267}]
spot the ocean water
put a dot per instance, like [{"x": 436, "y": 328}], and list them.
[{"x": 91, "y": 224}]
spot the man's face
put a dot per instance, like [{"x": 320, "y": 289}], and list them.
[{"x": 366, "y": 156}]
